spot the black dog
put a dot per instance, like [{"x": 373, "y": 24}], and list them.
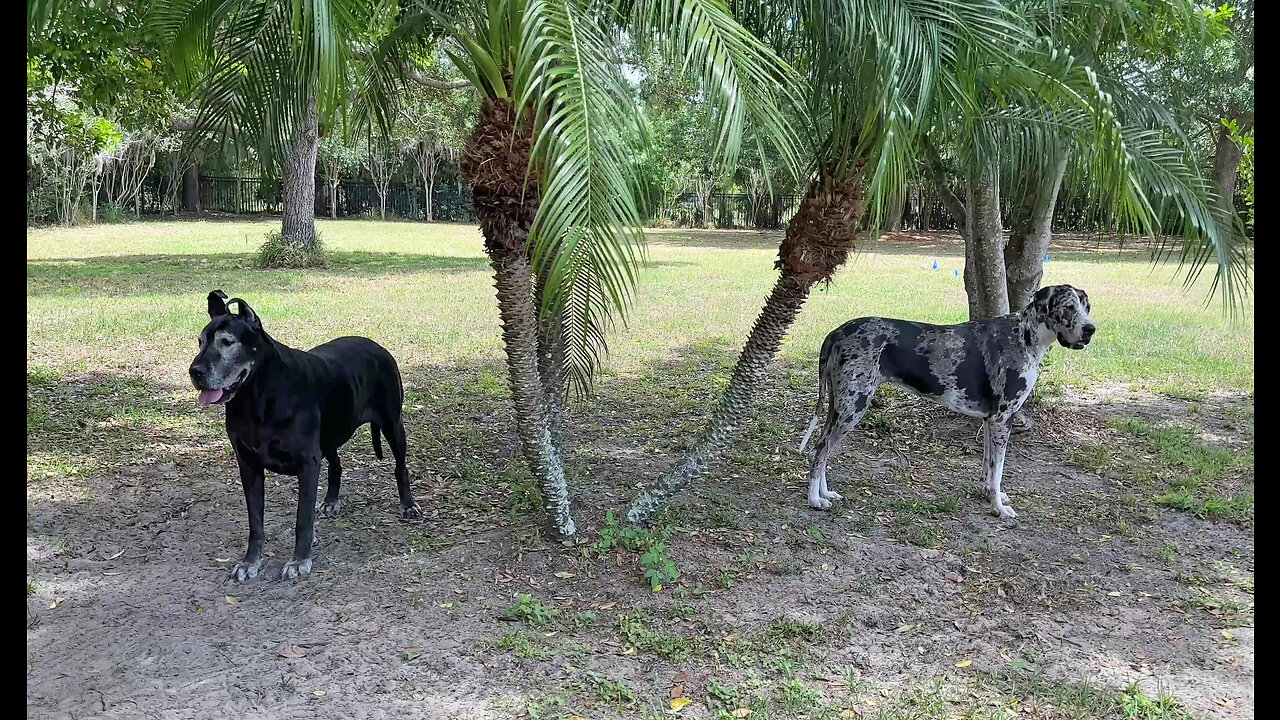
[{"x": 287, "y": 408}]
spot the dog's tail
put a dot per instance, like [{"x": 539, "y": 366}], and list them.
[
  {"x": 823, "y": 389},
  {"x": 376, "y": 432}
]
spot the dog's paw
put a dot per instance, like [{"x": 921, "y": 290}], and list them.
[
  {"x": 830, "y": 495},
  {"x": 413, "y": 512},
  {"x": 820, "y": 503},
  {"x": 295, "y": 569},
  {"x": 1004, "y": 500},
  {"x": 1004, "y": 512},
  {"x": 331, "y": 509},
  {"x": 244, "y": 571}
]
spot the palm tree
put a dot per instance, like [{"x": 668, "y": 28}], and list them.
[
  {"x": 549, "y": 164},
  {"x": 1074, "y": 103},
  {"x": 874, "y": 70},
  {"x": 274, "y": 70}
]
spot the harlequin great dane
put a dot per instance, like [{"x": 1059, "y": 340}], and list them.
[
  {"x": 287, "y": 409},
  {"x": 983, "y": 368}
]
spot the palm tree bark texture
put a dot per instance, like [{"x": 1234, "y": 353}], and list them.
[
  {"x": 816, "y": 244},
  {"x": 978, "y": 217},
  {"x": 495, "y": 163},
  {"x": 1031, "y": 229}
]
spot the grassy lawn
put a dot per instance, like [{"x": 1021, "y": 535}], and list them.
[
  {"x": 1125, "y": 593},
  {"x": 132, "y": 297}
]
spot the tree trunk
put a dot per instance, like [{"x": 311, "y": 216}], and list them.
[
  {"x": 333, "y": 199},
  {"x": 1226, "y": 168},
  {"x": 1030, "y": 231},
  {"x": 191, "y": 189},
  {"x": 299, "y": 179},
  {"x": 984, "y": 272},
  {"x": 893, "y": 214},
  {"x": 551, "y": 368},
  {"x": 817, "y": 242},
  {"x": 495, "y": 163},
  {"x": 430, "y": 191}
]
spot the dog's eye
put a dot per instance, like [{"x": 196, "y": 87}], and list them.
[{"x": 226, "y": 342}]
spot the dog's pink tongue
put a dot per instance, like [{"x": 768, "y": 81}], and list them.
[{"x": 210, "y": 396}]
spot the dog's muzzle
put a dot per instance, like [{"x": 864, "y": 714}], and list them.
[
  {"x": 1086, "y": 334},
  {"x": 217, "y": 396}
]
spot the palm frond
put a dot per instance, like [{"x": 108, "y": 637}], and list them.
[{"x": 586, "y": 237}]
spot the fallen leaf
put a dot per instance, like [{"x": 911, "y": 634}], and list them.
[
  {"x": 609, "y": 605},
  {"x": 964, "y": 663},
  {"x": 680, "y": 703},
  {"x": 318, "y": 693},
  {"x": 657, "y": 588},
  {"x": 199, "y": 608},
  {"x": 232, "y": 600},
  {"x": 222, "y": 560},
  {"x": 677, "y": 690},
  {"x": 629, "y": 651},
  {"x": 113, "y": 557},
  {"x": 412, "y": 653},
  {"x": 290, "y": 651},
  {"x": 1227, "y": 634},
  {"x": 55, "y": 603},
  {"x": 849, "y": 713},
  {"x": 904, "y": 628},
  {"x": 446, "y": 605},
  {"x": 741, "y": 712},
  {"x": 564, "y": 574},
  {"x": 1115, "y": 593}
]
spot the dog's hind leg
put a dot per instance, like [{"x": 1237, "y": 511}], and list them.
[
  {"x": 394, "y": 432},
  {"x": 332, "y": 505},
  {"x": 846, "y": 412}
]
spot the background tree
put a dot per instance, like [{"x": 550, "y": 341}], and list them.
[
  {"x": 433, "y": 122},
  {"x": 274, "y": 70},
  {"x": 337, "y": 159}
]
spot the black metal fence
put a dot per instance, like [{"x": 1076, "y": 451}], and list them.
[
  {"x": 451, "y": 203},
  {"x": 741, "y": 211},
  {"x": 252, "y": 196}
]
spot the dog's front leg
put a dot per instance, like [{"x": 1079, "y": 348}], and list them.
[
  {"x": 997, "y": 441},
  {"x": 305, "y": 531},
  {"x": 254, "y": 483}
]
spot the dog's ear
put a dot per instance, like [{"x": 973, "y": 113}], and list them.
[
  {"x": 247, "y": 314},
  {"x": 1041, "y": 301},
  {"x": 217, "y": 304}
]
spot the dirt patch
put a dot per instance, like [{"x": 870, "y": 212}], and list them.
[{"x": 132, "y": 529}]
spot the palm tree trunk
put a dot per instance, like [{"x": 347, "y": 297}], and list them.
[
  {"x": 299, "y": 176},
  {"x": 495, "y": 163},
  {"x": 1226, "y": 168},
  {"x": 1030, "y": 231},
  {"x": 551, "y": 368},
  {"x": 817, "y": 242},
  {"x": 984, "y": 270}
]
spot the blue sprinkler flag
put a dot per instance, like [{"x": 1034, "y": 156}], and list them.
[
  {"x": 956, "y": 273},
  {"x": 1046, "y": 257},
  {"x": 935, "y": 264}
]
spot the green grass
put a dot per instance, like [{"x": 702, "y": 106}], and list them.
[
  {"x": 1197, "y": 473},
  {"x": 424, "y": 291}
]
